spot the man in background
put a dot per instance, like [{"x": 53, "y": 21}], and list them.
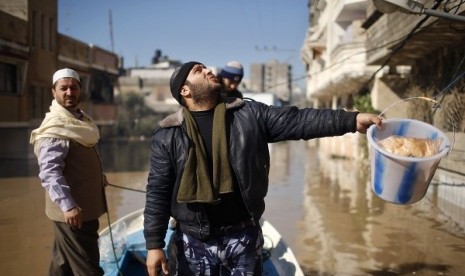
[{"x": 230, "y": 76}]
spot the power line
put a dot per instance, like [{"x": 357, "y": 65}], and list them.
[
  {"x": 355, "y": 54},
  {"x": 400, "y": 46},
  {"x": 413, "y": 32},
  {"x": 249, "y": 29},
  {"x": 272, "y": 49}
]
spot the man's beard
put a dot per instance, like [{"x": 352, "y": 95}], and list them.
[
  {"x": 205, "y": 92},
  {"x": 70, "y": 103}
]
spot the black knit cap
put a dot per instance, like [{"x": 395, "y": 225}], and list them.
[{"x": 178, "y": 78}]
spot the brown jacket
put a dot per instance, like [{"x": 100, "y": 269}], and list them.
[{"x": 84, "y": 175}]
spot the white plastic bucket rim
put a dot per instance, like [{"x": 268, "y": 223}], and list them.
[
  {"x": 392, "y": 186},
  {"x": 443, "y": 151}
]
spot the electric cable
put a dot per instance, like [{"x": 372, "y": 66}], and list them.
[
  {"x": 393, "y": 53},
  {"x": 353, "y": 55},
  {"x": 345, "y": 59}
]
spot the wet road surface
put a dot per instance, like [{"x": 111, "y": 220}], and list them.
[{"x": 323, "y": 207}]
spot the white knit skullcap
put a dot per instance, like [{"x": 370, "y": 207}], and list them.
[{"x": 65, "y": 73}]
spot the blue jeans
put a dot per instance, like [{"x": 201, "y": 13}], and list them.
[{"x": 238, "y": 253}]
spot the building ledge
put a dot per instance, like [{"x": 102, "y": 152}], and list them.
[{"x": 348, "y": 85}]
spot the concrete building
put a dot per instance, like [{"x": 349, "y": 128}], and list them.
[
  {"x": 257, "y": 77},
  {"x": 353, "y": 48},
  {"x": 272, "y": 76},
  {"x": 152, "y": 82},
  {"x": 334, "y": 52},
  {"x": 349, "y": 41},
  {"x": 433, "y": 49},
  {"x": 31, "y": 50}
]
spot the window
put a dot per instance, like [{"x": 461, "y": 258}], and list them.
[
  {"x": 50, "y": 34},
  {"x": 8, "y": 78}
]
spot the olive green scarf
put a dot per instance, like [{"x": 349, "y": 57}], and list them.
[{"x": 196, "y": 184}]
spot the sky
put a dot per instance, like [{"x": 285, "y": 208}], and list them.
[{"x": 209, "y": 31}]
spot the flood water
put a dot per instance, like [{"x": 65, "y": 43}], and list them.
[{"x": 324, "y": 209}]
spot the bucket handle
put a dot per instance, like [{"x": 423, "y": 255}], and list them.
[
  {"x": 436, "y": 104},
  {"x": 408, "y": 99}
]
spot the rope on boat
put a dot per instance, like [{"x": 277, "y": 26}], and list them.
[
  {"x": 113, "y": 244},
  {"x": 126, "y": 188},
  {"x": 266, "y": 252}
]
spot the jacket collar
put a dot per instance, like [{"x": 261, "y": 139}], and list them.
[{"x": 177, "y": 118}]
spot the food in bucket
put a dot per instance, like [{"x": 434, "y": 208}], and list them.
[{"x": 410, "y": 146}]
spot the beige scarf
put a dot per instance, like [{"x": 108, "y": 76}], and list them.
[
  {"x": 60, "y": 123},
  {"x": 196, "y": 184}
]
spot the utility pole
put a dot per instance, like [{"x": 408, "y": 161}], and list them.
[{"x": 111, "y": 32}]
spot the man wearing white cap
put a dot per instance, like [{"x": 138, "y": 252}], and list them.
[{"x": 71, "y": 173}]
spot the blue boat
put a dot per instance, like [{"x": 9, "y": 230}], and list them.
[{"x": 127, "y": 244}]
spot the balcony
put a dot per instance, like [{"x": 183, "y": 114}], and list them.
[
  {"x": 345, "y": 75},
  {"x": 390, "y": 30}
]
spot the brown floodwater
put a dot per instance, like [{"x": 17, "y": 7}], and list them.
[{"x": 324, "y": 209}]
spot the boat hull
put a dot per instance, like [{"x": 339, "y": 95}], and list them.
[{"x": 128, "y": 244}]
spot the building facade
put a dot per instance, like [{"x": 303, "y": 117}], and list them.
[
  {"x": 334, "y": 52},
  {"x": 353, "y": 48},
  {"x": 152, "y": 82},
  {"x": 433, "y": 50},
  {"x": 31, "y": 50}
]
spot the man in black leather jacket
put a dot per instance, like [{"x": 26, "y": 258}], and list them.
[{"x": 209, "y": 170}]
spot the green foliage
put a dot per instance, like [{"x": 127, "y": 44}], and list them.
[
  {"x": 135, "y": 119},
  {"x": 363, "y": 103}
]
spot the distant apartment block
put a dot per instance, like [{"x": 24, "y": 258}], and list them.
[{"x": 274, "y": 77}]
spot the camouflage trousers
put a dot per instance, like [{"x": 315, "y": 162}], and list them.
[{"x": 239, "y": 253}]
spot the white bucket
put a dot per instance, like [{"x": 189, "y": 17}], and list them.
[{"x": 399, "y": 179}]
